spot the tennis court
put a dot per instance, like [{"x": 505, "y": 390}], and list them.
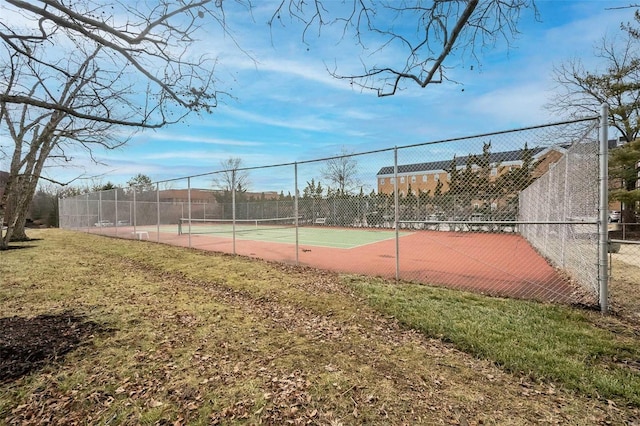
[
  {"x": 517, "y": 218},
  {"x": 502, "y": 264},
  {"x": 281, "y": 231}
]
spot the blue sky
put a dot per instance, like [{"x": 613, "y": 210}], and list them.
[{"x": 288, "y": 108}]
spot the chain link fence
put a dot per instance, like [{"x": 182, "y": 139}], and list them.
[
  {"x": 558, "y": 216},
  {"x": 512, "y": 213}
]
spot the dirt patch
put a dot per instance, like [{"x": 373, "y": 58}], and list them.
[{"x": 28, "y": 344}]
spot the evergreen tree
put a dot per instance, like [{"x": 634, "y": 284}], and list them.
[{"x": 142, "y": 183}]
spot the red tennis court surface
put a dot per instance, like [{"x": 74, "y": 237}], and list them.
[{"x": 497, "y": 264}]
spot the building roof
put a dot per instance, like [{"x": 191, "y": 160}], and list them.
[{"x": 494, "y": 158}]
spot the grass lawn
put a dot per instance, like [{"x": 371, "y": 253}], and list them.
[{"x": 96, "y": 330}]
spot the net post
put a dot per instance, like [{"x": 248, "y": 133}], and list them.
[{"x": 603, "y": 264}]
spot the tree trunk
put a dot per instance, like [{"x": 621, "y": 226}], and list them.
[
  {"x": 16, "y": 199},
  {"x": 19, "y": 228},
  {"x": 6, "y": 212}
]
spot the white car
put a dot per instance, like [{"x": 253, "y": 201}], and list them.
[
  {"x": 614, "y": 216},
  {"x": 103, "y": 223}
]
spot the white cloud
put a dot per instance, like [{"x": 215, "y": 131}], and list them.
[
  {"x": 522, "y": 103},
  {"x": 308, "y": 122},
  {"x": 196, "y": 138}
]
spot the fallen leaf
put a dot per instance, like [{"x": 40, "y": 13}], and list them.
[{"x": 154, "y": 404}]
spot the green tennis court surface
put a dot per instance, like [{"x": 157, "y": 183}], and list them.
[{"x": 313, "y": 236}]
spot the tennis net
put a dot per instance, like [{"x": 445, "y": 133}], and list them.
[{"x": 228, "y": 226}]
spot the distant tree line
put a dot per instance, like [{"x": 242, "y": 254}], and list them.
[{"x": 43, "y": 210}]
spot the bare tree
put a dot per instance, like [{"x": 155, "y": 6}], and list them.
[
  {"x": 231, "y": 170},
  {"x": 41, "y": 135},
  {"x": 342, "y": 171},
  {"x": 423, "y": 32},
  {"x": 582, "y": 92},
  {"x": 79, "y": 70}
]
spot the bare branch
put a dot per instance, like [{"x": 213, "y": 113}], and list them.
[
  {"x": 581, "y": 92},
  {"x": 426, "y": 33},
  {"x": 155, "y": 45}
]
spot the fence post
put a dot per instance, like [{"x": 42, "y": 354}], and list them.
[
  {"x": 396, "y": 212},
  {"x": 603, "y": 266},
  {"x": 189, "y": 207},
  {"x": 135, "y": 208},
  {"x": 565, "y": 209},
  {"x": 115, "y": 198},
  {"x": 59, "y": 205},
  {"x": 233, "y": 208},
  {"x": 88, "y": 215},
  {"x": 295, "y": 208},
  {"x": 158, "y": 210},
  {"x": 99, "y": 206}
]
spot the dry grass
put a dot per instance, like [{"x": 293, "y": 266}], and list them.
[
  {"x": 196, "y": 338},
  {"x": 625, "y": 282}
]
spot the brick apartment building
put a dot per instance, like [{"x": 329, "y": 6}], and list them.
[{"x": 425, "y": 176}]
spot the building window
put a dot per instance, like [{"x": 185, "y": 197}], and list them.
[
  {"x": 494, "y": 172},
  {"x": 424, "y": 178},
  {"x": 381, "y": 181},
  {"x": 436, "y": 177},
  {"x": 413, "y": 179},
  {"x": 401, "y": 179},
  {"x": 392, "y": 181}
]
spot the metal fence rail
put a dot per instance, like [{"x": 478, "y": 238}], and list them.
[{"x": 512, "y": 213}]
